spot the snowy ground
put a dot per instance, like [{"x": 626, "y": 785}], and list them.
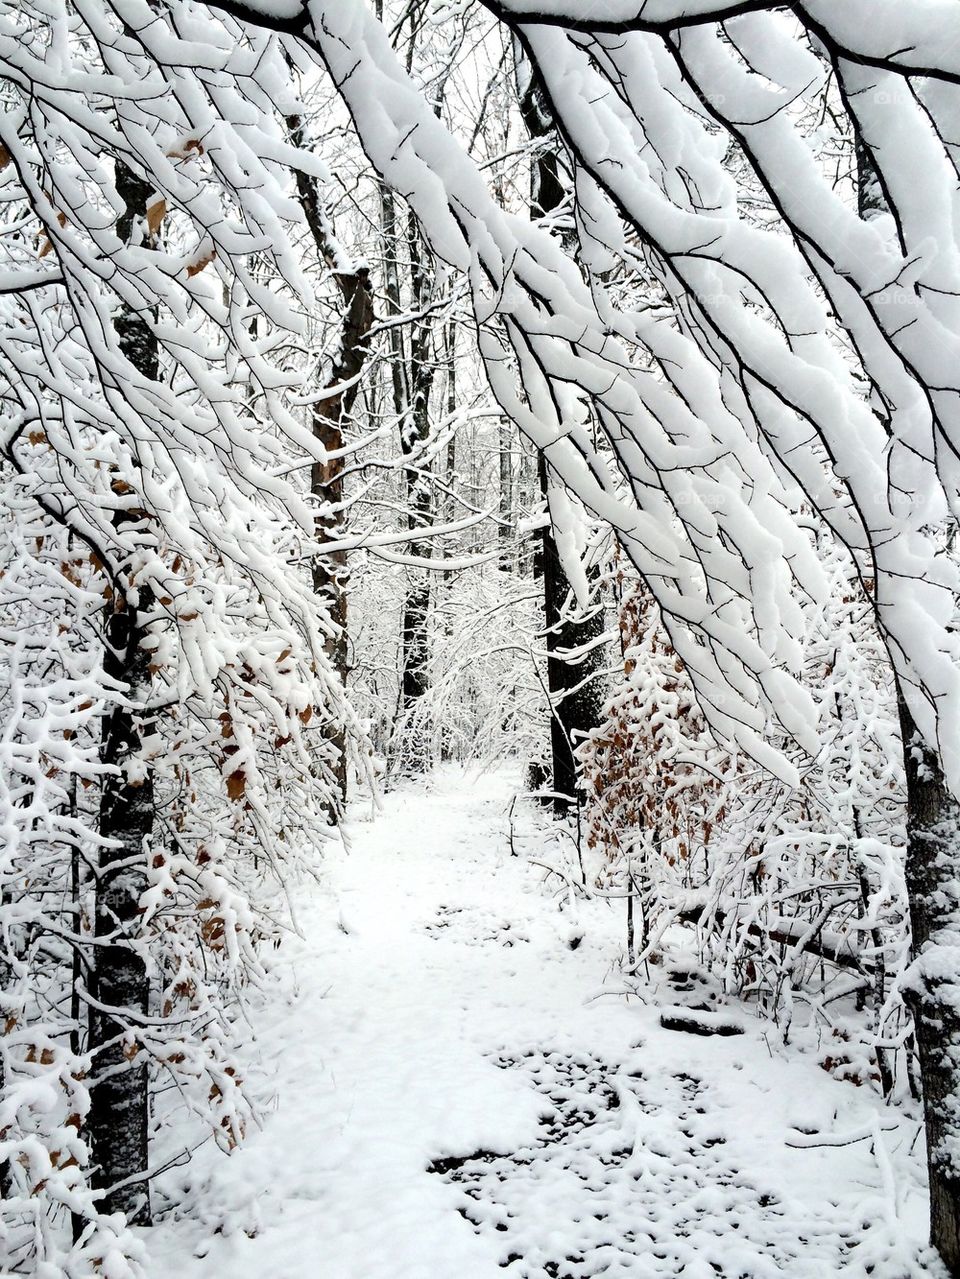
[{"x": 461, "y": 1095}]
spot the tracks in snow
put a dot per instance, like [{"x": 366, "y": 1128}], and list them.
[{"x": 454, "y": 1100}]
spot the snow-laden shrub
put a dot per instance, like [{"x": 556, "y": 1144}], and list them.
[{"x": 794, "y": 895}]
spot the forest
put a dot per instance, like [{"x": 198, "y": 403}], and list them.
[{"x": 479, "y": 639}]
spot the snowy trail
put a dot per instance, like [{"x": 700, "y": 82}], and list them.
[{"x": 439, "y": 1013}]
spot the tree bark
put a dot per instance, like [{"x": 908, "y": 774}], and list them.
[
  {"x": 575, "y": 698},
  {"x": 118, "y": 1122},
  {"x": 933, "y": 846},
  {"x": 933, "y": 993},
  {"x": 412, "y": 373},
  {"x": 574, "y": 686},
  {"x": 330, "y": 570},
  {"x": 414, "y": 433},
  {"x": 449, "y": 478},
  {"x": 505, "y": 528},
  {"x": 119, "y": 1107}
]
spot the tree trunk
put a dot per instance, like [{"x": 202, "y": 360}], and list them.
[
  {"x": 415, "y": 681},
  {"x": 119, "y": 1110},
  {"x": 330, "y": 571},
  {"x": 933, "y": 848},
  {"x": 119, "y": 1107},
  {"x": 575, "y": 701},
  {"x": 412, "y": 373},
  {"x": 415, "y": 433},
  {"x": 449, "y": 501},
  {"x": 933, "y": 993},
  {"x": 574, "y": 686},
  {"x": 505, "y": 527}
]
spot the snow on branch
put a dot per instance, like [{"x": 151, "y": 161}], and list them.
[{"x": 721, "y": 422}]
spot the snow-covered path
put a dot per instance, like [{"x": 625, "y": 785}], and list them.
[{"x": 461, "y": 1097}]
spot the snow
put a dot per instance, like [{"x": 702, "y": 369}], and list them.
[{"x": 445, "y": 1007}]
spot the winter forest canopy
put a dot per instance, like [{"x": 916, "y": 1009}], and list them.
[{"x": 479, "y": 664}]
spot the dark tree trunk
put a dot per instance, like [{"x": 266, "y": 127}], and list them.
[
  {"x": 330, "y": 571},
  {"x": 933, "y": 995},
  {"x": 450, "y": 500},
  {"x": 414, "y": 434},
  {"x": 933, "y": 855},
  {"x": 505, "y": 528},
  {"x": 412, "y": 373},
  {"x": 575, "y": 697},
  {"x": 119, "y": 1109},
  {"x": 415, "y": 681},
  {"x": 574, "y": 685}
]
